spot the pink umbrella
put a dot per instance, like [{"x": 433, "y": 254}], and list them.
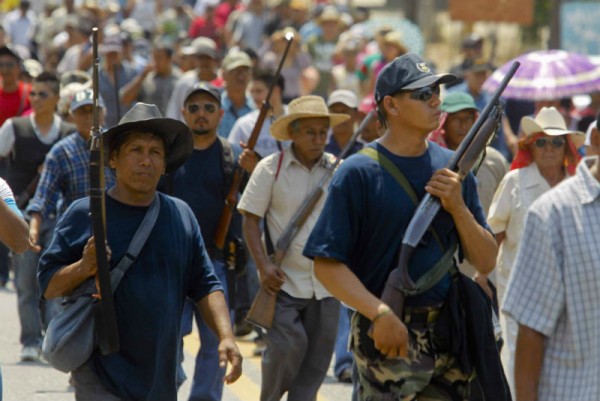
[{"x": 548, "y": 74}]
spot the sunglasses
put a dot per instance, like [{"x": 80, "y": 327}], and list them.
[
  {"x": 193, "y": 108},
  {"x": 41, "y": 94},
  {"x": 424, "y": 94},
  {"x": 556, "y": 143}
]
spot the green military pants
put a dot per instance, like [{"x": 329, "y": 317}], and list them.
[{"x": 423, "y": 375}]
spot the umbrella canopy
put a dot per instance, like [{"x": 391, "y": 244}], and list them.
[
  {"x": 411, "y": 33},
  {"x": 548, "y": 74}
]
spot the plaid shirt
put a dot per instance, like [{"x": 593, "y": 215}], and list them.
[
  {"x": 65, "y": 177},
  {"x": 554, "y": 286}
]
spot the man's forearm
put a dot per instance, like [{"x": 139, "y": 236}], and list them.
[
  {"x": 339, "y": 280},
  {"x": 64, "y": 281},
  {"x": 478, "y": 244},
  {"x": 529, "y": 358},
  {"x": 215, "y": 313},
  {"x": 14, "y": 231},
  {"x": 252, "y": 236}
]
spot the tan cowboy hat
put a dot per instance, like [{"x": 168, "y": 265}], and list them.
[
  {"x": 304, "y": 107},
  {"x": 550, "y": 122}
]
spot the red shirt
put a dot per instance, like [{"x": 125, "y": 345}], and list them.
[
  {"x": 222, "y": 13},
  {"x": 11, "y": 102}
]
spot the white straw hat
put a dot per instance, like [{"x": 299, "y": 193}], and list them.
[
  {"x": 304, "y": 107},
  {"x": 550, "y": 122}
]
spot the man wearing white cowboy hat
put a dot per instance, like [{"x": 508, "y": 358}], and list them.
[
  {"x": 546, "y": 155},
  {"x": 301, "y": 341},
  {"x": 552, "y": 292},
  {"x": 171, "y": 266}
]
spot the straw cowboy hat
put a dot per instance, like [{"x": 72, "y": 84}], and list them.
[
  {"x": 304, "y": 107},
  {"x": 147, "y": 118},
  {"x": 550, "y": 122}
]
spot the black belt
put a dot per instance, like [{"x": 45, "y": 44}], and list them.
[{"x": 421, "y": 315}]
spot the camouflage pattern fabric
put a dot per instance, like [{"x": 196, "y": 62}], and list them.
[{"x": 423, "y": 375}]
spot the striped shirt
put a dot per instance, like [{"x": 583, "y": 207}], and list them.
[
  {"x": 65, "y": 177},
  {"x": 555, "y": 286}
]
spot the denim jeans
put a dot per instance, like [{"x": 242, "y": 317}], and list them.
[
  {"x": 34, "y": 313},
  {"x": 207, "y": 384}
]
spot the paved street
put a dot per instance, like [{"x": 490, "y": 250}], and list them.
[{"x": 40, "y": 382}]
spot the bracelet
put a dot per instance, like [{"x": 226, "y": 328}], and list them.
[{"x": 380, "y": 314}]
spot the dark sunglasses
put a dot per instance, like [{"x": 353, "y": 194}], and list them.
[
  {"x": 41, "y": 94},
  {"x": 424, "y": 94},
  {"x": 193, "y": 108},
  {"x": 556, "y": 143}
]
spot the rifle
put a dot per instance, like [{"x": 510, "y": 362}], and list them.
[
  {"x": 104, "y": 310},
  {"x": 399, "y": 284},
  {"x": 238, "y": 175},
  {"x": 262, "y": 311}
]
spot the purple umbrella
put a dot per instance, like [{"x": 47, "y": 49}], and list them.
[{"x": 548, "y": 74}]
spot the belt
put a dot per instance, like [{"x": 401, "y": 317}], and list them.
[{"x": 422, "y": 314}]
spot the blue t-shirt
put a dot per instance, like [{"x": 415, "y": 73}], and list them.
[
  {"x": 200, "y": 183},
  {"x": 171, "y": 266},
  {"x": 366, "y": 214}
]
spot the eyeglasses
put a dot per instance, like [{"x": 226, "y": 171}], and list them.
[
  {"x": 556, "y": 143},
  {"x": 41, "y": 94},
  {"x": 193, "y": 108},
  {"x": 424, "y": 94},
  {"x": 8, "y": 64}
]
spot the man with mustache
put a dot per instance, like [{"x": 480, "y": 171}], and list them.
[{"x": 202, "y": 182}]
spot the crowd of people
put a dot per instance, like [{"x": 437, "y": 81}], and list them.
[{"x": 182, "y": 86}]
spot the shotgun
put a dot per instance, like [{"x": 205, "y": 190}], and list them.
[
  {"x": 399, "y": 284},
  {"x": 238, "y": 175},
  {"x": 105, "y": 315},
  {"x": 262, "y": 311}
]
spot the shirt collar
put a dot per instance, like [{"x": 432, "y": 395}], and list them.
[
  {"x": 532, "y": 176},
  {"x": 589, "y": 190}
]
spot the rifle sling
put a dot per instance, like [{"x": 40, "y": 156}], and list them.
[
  {"x": 395, "y": 172},
  {"x": 439, "y": 270}
]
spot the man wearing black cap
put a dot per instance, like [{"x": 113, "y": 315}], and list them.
[
  {"x": 171, "y": 266},
  {"x": 203, "y": 182},
  {"x": 355, "y": 241}
]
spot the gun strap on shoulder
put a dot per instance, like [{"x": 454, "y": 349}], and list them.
[
  {"x": 395, "y": 172},
  {"x": 227, "y": 162},
  {"x": 439, "y": 270}
]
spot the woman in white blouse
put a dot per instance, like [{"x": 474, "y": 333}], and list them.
[{"x": 547, "y": 154}]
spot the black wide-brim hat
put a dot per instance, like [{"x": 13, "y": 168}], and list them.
[{"x": 147, "y": 118}]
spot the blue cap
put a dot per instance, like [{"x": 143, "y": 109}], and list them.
[
  {"x": 408, "y": 71},
  {"x": 206, "y": 88}
]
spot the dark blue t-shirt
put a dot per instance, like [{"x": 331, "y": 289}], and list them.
[
  {"x": 200, "y": 183},
  {"x": 171, "y": 266},
  {"x": 366, "y": 214}
]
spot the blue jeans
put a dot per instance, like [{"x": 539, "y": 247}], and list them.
[
  {"x": 343, "y": 356},
  {"x": 34, "y": 313},
  {"x": 207, "y": 384}
]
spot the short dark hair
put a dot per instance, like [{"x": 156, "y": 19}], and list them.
[
  {"x": 50, "y": 79},
  {"x": 268, "y": 78}
]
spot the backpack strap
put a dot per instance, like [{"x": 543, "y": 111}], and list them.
[
  {"x": 227, "y": 162},
  {"x": 136, "y": 244}
]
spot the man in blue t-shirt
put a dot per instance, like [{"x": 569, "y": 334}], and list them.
[
  {"x": 356, "y": 240},
  {"x": 171, "y": 267},
  {"x": 202, "y": 182}
]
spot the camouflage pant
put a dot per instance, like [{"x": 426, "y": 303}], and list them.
[{"x": 424, "y": 375}]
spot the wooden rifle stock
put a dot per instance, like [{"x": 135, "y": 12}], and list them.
[
  {"x": 105, "y": 315},
  {"x": 262, "y": 311},
  {"x": 238, "y": 176},
  {"x": 399, "y": 284}
]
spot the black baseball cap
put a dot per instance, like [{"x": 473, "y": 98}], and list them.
[
  {"x": 204, "y": 87},
  {"x": 406, "y": 72}
]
